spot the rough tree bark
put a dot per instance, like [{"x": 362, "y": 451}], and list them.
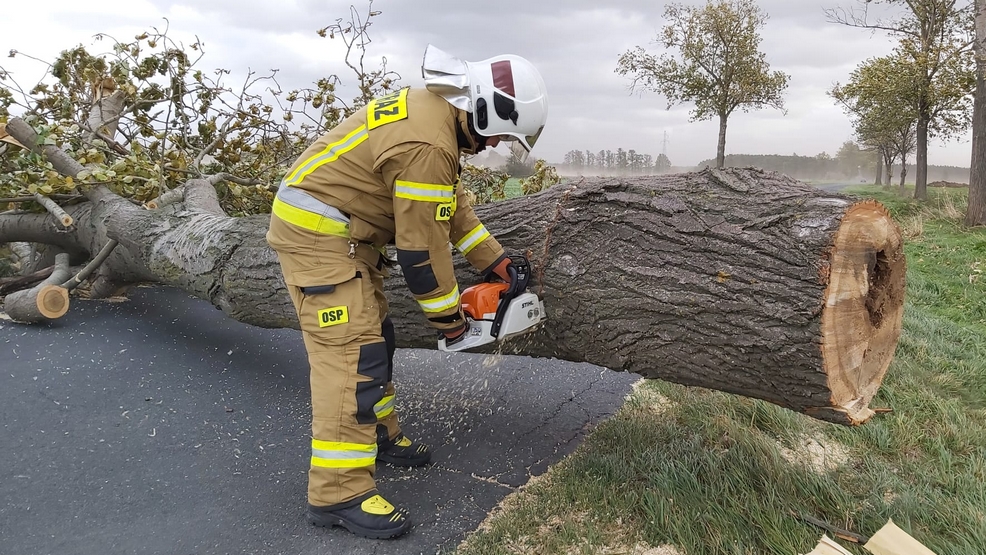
[{"x": 737, "y": 280}]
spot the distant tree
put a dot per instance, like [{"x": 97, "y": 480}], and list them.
[
  {"x": 621, "y": 161},
  {"x": 881, "y": 97},
  {"x": 590, "y": 159},
  {"x": 575, "y": 160},
  {"x": 719, "y": 66},
  {"x": 935, "y": 37},
  {"x": 904, "y": 140},
  {"x": 647, "y": 162},
  {"x": 633, "y": 162},
  {"x": 662, "y": 164},
  {"x": 976, "y": 213},
  {"x": 516, "y": 168},
  {"x": 852, "y": 161}
]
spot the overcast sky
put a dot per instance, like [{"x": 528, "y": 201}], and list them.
[{"x": 574, "y": 43}]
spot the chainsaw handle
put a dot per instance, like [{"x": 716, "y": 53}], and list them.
[{"x": 505, "y": 298}]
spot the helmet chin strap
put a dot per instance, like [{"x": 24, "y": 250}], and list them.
[{"x": 469, "y": 140}]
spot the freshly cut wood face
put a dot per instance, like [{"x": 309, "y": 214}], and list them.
[
  {"x": 864, "y": 308},
  {"x": 53, "y": 301}
]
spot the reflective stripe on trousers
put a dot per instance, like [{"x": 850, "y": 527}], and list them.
[{"x": 337, "y": 454}]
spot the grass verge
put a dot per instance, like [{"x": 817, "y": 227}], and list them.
[{"x": 686, "y": 471}]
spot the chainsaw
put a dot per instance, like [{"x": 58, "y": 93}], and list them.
[{"x": 497, "y": 310}]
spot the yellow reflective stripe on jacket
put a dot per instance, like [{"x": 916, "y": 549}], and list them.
[
  {"x": 443, "y": 303},
  {"x": 385, "y": 407},
  {"x": 335, "y": 454},
  {"x": 427, "y": 192},
  {"x": 331, "y": 153},
  {"x": 299, "y": 208},
  {"x": 472, "y": 239}
]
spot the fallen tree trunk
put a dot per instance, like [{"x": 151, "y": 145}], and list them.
[{"x": 737, "y": 280}]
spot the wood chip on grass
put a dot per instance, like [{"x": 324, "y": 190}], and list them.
[{"x": 816, "y": 453}]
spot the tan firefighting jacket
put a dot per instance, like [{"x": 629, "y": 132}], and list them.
[{"x": 389, "y": 173}]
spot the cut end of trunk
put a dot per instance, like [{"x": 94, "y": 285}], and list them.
[
  {"x": 53, "y": 301},
  {"x": 864, "y": 308}
]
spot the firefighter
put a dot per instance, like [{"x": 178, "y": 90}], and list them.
[{"x": 389, "y": 174}]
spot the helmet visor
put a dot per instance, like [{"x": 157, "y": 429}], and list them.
[
  {"x": 519, "y": 150},
  {"x": 532, "y": 139}
]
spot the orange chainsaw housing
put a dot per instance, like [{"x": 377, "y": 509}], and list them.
[{"x": 480, "y": 300}]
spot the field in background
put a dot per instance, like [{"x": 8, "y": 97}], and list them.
[{"x": 690, "y": 471}]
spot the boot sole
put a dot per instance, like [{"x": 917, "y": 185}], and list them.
[
  {"x": 328, "y": 521},
  {"x": 405, "y": 462}
]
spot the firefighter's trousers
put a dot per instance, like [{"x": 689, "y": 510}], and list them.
[{"x": 350, "y": 341}]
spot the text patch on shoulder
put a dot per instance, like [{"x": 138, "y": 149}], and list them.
[
  {"x": 333, "y": 316},
  {"x": 387, "y": 109}
]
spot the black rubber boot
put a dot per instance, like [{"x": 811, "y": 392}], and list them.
[
  {"x": 401, "y": 451},
  {"x": 369, "y": 516}
]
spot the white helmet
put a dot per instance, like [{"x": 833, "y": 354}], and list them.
[{"x": 505, "y": 95}]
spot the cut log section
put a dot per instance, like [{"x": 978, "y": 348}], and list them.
[
  {"x": 864, "y": 306},
  {"x": 44, "y": 302}
]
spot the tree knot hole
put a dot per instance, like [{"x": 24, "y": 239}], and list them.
[{"x": 880, "y": 276}]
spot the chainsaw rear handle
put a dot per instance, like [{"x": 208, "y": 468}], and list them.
[
  {"x": 521, "y": 266},
  {"x": 505, "y": 298}
]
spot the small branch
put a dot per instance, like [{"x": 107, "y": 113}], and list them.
[
  {"x": 212, "y": 146},
  {"x": 215, "y": 179},
  {"x": 13, "y": 284},
  {"x": 115, "y": 146},
  {"x": 92, "y": 266},
  {"x": 169, "y": 197},
  {"x": 32, "y": 199},
  {"x": 837, "y": 532},
  {"x": 55, "y": 210}
]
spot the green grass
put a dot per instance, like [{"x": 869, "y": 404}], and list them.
[
  {"x": 512, "y": 188},
  {"x": 706, "y": 472}
]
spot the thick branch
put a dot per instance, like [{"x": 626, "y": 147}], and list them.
[
  {"x": 104, "y": 119},
  {"x": 200, "y": 194},
  {"x": 169, "y": 197},
  {"x": 62, "y": 162}
]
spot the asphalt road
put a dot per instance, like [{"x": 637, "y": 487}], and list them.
[{"x": 157, "y": 425}]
